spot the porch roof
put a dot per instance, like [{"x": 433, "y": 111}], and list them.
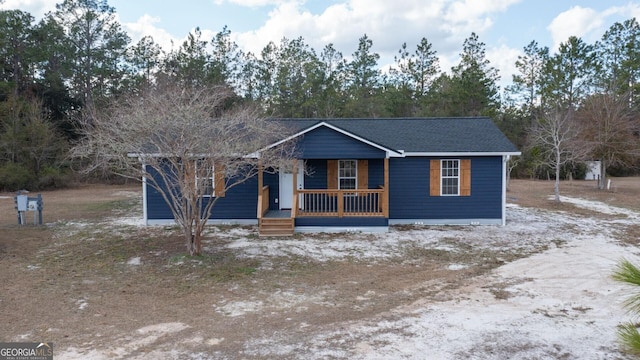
[{"x": 418, "y": 136}]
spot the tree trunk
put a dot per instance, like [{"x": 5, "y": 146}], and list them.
[
  {"x": 190, "y": 245},
  {"x": 194, "y": 244},
  {"x": 603, "y": 175},
  {"x": 556, "y": 187},
  {"x": 192, "y": 237}
]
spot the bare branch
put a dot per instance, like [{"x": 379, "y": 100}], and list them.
[
  {"x": 608, "y": 125},
  {"x": 192, "y": 144},
  {"x": 556, "y": 137}
]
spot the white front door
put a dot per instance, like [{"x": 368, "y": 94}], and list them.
[{"x": 286, "y": 185}]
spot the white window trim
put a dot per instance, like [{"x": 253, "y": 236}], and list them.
[
  {"x": 442, "y": 177},
  {"x": 212, "y": 178},
  {"x": 355, "y": 178}
]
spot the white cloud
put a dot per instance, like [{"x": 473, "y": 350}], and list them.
[
  {"x": 474, "y": 9},
  {"x": 445, "y": 23},
  {"x": 577, "y": 21},
  {"x": 587, "y": 23},
  {"x": 250, "y": 3},
  {"x": 37, "y": 8},
  {"x": 146, "y": 26},
  {"x": 631, "y": 11},
  {"x": 504, "y": 59}
]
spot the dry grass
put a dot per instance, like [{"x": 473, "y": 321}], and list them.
[
  {"x": 624, "y": 192},
  {"x": 49, "y": 272}
]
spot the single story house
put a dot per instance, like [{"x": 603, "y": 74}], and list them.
[{"x": 367, "y": 174}]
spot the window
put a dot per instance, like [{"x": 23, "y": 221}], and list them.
[
  {"x": 450, "y": 177},
  {"x": 347, "y": 174},
  {"x": 205, "y": 178}
]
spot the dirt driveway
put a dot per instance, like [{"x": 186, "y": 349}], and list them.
[{"x": 99, "y": 285}]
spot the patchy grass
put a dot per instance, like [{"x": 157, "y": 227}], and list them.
[
  {"x": 102, "y": 282},
  {"x": 535, "y": 193},
  {"x": 113, "y": 206}
]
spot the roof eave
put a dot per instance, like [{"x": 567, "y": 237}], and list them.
[
  {"x": 253, "y": 155},
  {"x": 463, "y": 153}
]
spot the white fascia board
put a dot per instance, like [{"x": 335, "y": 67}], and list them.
[
  {"x": 254, "y": 155},
  {"x": 141, "y": 155},
  {"x": 389, "y": 152},
  {"x": 505, "y": 160},
  {"x": 145, "y": 210},
  {"x": 457, "y": 154}
]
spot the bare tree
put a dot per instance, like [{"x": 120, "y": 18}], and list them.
[
  {"x": 192, "y": 144},
  {"x": 608, "y": 124},
  {"x": 556, "y": 137},
  {"x": 511, "y": 164}
]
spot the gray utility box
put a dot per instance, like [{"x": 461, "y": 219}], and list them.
[
  {"x": 22, "y": 202},
  {"x": 26, "y": 203}
]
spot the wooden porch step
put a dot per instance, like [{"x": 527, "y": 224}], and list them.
[{"x": 276, "y": 227}]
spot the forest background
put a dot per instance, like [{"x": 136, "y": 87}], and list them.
[{"x": 561, "y": 108}]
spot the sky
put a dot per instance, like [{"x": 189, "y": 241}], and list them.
[{"x": 505, "y": 26}]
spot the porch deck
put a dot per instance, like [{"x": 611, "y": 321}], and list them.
[
  {"x": 341, "y": 203},
  {"x": 345, "y": 207},
  {"x": 278, "y": 214}
]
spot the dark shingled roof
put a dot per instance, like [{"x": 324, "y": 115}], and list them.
[{"x": 429, "y": 135}]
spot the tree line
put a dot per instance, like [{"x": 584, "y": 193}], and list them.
[{"x": 56, "y": 74}]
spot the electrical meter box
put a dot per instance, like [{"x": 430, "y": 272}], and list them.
[
  {"x": 25, "y": 204},
  {"x": 22, "y": 202}
]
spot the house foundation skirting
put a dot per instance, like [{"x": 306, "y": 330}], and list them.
[
  {"x": 341, "y": 229},
  {"x": 209, "y": 222},
  {"x": 445, "y": 222},
  {"x": 364, "y": 229}
]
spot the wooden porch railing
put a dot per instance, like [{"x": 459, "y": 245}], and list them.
[
  {"x": 263, "y": 201},
  {"x": 340, "y": 203}
]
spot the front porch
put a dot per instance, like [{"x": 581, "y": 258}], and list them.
[{"x": 326, "y": 206}]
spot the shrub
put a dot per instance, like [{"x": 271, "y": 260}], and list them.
[
  {"x": 628, "y": 333},
  {"x": 52, "y": 178},
  {"x": 15, "y": 177}
]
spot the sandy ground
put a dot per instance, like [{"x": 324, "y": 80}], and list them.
[{"x": 101, "y": 286}]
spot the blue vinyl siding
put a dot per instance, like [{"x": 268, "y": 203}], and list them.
[
  {"x": 317, "y": 178},
  {"x": 240, "y": 202},
  {"x": 326, "y": 143},
  {"x": 376, "y": 173},
  {"x": 157, "y": 208},
  {"x": 409, "y": 191},
  {"x": 408, "y": 199}
]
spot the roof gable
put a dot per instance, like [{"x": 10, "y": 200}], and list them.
[
  {"x": 300, "y": 127},
  {"x": 323, "y": 142}
]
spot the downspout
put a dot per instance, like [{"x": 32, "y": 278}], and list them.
[
  {"x": 144, "y": 195},
  {"x": 505, "y": 160}
]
